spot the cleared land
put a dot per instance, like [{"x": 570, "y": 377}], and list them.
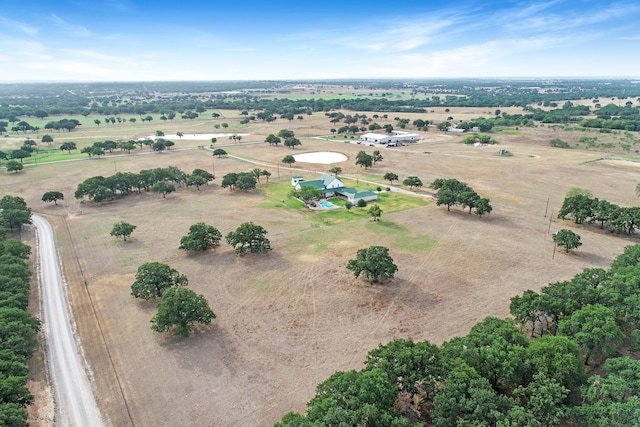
[{"x": 289, "y": 319}]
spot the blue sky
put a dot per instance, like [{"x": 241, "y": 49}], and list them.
[{"x": 141, "y": 40}]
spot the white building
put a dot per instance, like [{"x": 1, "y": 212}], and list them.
[{"x": 397, "y": 137}]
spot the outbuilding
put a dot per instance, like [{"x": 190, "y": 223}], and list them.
[{"x": 396, "y": 138}]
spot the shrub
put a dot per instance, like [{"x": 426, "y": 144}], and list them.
[{"x": 361, "y": 203}]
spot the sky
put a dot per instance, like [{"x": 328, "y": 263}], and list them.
[{"x": 142, "y": 40}]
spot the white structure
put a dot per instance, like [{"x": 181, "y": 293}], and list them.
[
  {"x": 397, "y": 137},
  {"x": 296, "y": 179}
]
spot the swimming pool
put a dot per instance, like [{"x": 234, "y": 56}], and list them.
[{"x": 327, "y": 205}]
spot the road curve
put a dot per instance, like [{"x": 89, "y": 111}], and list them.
[{"x": 75, "y": 403}]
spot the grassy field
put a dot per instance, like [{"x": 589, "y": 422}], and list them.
[{"x": 288, "y": 319}]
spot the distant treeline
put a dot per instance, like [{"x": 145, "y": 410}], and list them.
[{"x": 42, "y": 100}]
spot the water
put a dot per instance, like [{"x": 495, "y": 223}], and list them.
[{"x": 327, "y": 205}]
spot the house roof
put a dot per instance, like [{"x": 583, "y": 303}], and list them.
[
  {"x": 318, "y": 183},
  {"x": 328, "y": 179},
  {"x": 364, "y": 193}
]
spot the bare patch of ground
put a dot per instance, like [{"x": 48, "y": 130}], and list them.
[{"x": 289, "y": 319}]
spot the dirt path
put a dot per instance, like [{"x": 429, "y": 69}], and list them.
[{"x": 75, "y": 403}]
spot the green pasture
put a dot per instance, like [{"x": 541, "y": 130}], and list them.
[{"x": 402, "y": 237}]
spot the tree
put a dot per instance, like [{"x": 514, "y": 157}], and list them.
[
  {"x": 483, "y": 207},
  {"x": 110, "y": 145},
  {"x": 246, "y": 181},
  {"x": 272, "y": 139},
  {"x": 214, "y": 140},
  {"x": 291, "y": 142},
  {"x": 20, "y": 154},
  {"x": 249, "y": 236},
  {"x": 122, "y": 229},
  {"x": 14, "y": 212},
  {"x": 375, "y": 212},
  {"x": 200, "y": 237},
  {"x": 196, "y": 180},
  {"x": 68, "y": 146},
  {"x": 14, "y": 166},
  {"x": 285, "y": 133},
  {"x": 219, "y": 152},
  {"x": 288, "y": 159},
  {"x": 52, "y": 196},
  {"x": 159, "y": 146},
  {"x": 412, "y": 181},
  {"x": 183, "y": 308},
  {"x": 97, "y": 122},
  {"x": 567, "y": 239},
  {"x": 128, "y": 145},
  {"x": 377, "y": 157},
  {"x": 47, "y": 139},
  {"x": 364, "y": 159},
  {"x": 229, "y": 180},
  {"x": 335, "y": 170},
  {"x": 307, "y": 193},
  {"x": 163, "y": 187},
  {"x": 374, "y": 262},
  {"x": 159, "y": 133},
  {"x": 363, "y": 398},
  {"x": 154, "y": 278},
  {"x": 469, "y": 199},
  {"x": 579, "y": 206},
  {"x": 593, "y": 328},
  {"x": 204, "y": 174},
  {"x": 390, "y": 176}
]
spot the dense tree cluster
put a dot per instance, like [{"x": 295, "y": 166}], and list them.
[
  {"x": 501, "y": 374},
  {"x": 18, "y": 328},
  {"x": 453, "y": 192},
  {"x": 584, "y": 208},
  {"x": 99, "y": 188},
  {"x": 244, "y": 180}
]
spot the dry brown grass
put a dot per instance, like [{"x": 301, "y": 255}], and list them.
[{"x": 289, "y": 319}]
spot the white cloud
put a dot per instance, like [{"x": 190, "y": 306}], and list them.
[
  {"x": 89, "y": 54},
  {"x": 75, "y": 30},
  {"x": 19, "y": 26}
]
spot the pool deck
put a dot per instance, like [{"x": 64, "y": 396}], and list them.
[{"x": 322, "y": 208}]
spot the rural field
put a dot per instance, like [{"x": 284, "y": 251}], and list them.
[{"x": 289, "y": 319}]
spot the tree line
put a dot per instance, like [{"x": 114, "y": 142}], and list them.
[
  {"x": 531, "y": 370},
  {"x": 453, "y": 192},
  {"x": 159, "y": 180},
  {"x": 18, "y": 328},
  {"x": 582, "y": 207},
  {"x": 44, "y": 100}
]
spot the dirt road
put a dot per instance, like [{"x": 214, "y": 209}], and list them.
[{"x": 75, "y": 403}]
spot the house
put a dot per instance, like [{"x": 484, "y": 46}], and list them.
[
  {"x": 327, "y": 183},
  {"x": 396, "y": 138},
  {"x": 334, "y": 187}
]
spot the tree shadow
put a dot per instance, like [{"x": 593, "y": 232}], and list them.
[{"x": 207, "y": 350}]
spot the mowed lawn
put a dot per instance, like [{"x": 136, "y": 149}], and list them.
[{"x": 288, "y": 319}]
